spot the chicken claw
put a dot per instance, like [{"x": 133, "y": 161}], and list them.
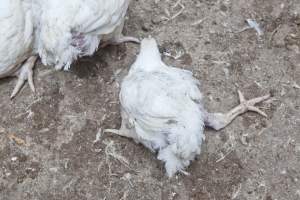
[
  {"x": 250, "y": 104},
  {"x": 25, "y": 73},
  {"x": 218, "y": 121}
]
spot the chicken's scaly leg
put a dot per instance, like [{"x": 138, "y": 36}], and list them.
[
  {"x": 127, "y": 127},
  {"x": 25, "y": 73},
  {"x": 124, "y": 131},
  {"x": 118, "y": 40},
  {"x": 118, "y": 37},
  {"x": 118, "y": 132},
  {"x": 121, "y": 39},
  {"x": 218, "y": 121}
]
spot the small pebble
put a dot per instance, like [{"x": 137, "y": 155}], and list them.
[{"x": 14, "y": 159}]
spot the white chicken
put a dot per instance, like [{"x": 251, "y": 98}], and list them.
[
  {"x": 70, "y": 29},
  {"x": 16, "y": 38},
  {"x": 161, "y": 108}
]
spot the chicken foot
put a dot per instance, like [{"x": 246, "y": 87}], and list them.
[
  {"x": 218, "y": 121},
  {"x": 118, "y": 38},
  {"x": 25, "y": 73},
  {"x": 126, "y": 129}
]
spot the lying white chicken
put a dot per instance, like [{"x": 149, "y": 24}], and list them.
[
  {"x": 161, "y": 107},
  {"x": 16, "y": 38},
  {"x": 70, "y": 29}
]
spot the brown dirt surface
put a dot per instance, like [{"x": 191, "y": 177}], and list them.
[{"x": 254, "y": 158}]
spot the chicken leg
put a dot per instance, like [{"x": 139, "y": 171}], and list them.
[
  {"x": 121, "y": 39},
  {"x": 126, "y": 129},
  {"x": 218, "y": 121},
  {"x": 25, "y": 73},
  {"x": 118, "y": 37},
  {"x": 120, "y": 132}
]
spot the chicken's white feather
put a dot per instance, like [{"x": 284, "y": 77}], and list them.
[
  {"x": 16, "y": 35},
  {"x": 164, "y": 104},
  {"x": 73, "y": 28}
]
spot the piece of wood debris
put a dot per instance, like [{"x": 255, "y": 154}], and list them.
[
  {"x": 223, "y": 156},
  {"x": 180, "y": 11},
  {"x": 17, "y": 140},
  {"x": 98, "y": 136},
  {"x": 198, "y": 22},
  {"x": 244, "y": 139},
  {"x": 236, "y": 192},
  {"x": 295, "y": 85},
  {"x": 273, "y": 33},
  {"x": 168, "y": 16},
  {"x": 110, "y": 151}
]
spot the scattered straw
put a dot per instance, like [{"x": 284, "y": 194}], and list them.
[
  {"x": 110, "y": 151},
  {"x": 17, "y": 140},
  {"x": 236, "y": 192},
  {"x": 198, "y": 22}
]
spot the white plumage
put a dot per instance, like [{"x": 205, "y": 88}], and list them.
[
  {"x": 161, "y": 108},
  {"x": 69, "y": 29},
  {"x": 16, "y": 39}
]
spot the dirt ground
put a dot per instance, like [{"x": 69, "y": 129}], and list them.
[{"x": 48, "y": 146}]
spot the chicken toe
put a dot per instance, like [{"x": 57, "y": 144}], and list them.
[{"x": 25, "y": 73}]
